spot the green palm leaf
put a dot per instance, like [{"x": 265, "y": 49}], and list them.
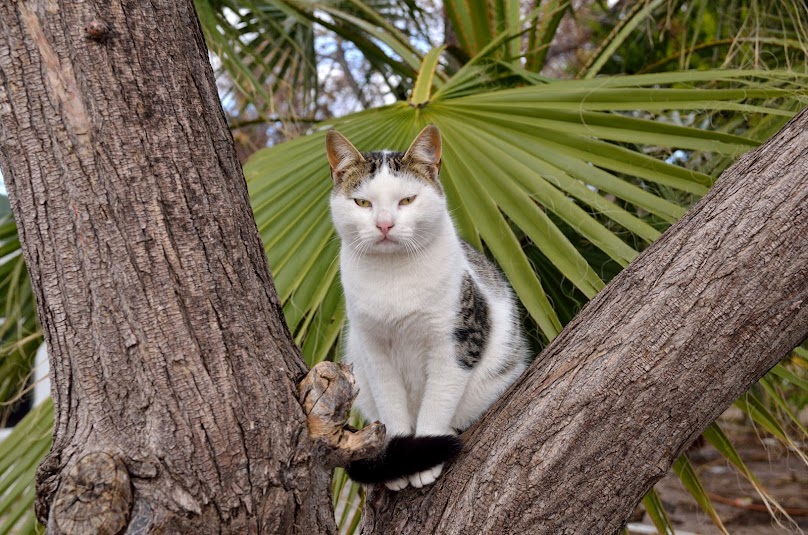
[
  {"x": 656, "y": 511},
  {"x": 516, "y": 159},
  {"x": 19, "y": 333},
  {"x": 690, "y": 480},
  {"x": 20, "y": 454},
  {"x": 267, "y": 47},
  {"x": 264, "y": 47}
]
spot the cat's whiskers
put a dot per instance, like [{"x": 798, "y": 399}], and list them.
[
  {"x": 411, "y": 251},
  {"x": 404, "y": 240},
  {"x": 362, "y": 249},
  {"x": 420, "y": 248},
  {"x": 355, "y": 243},
  {"x": 336, "y": 257},
  {"x": 350, "y": 246},
  {"x": 334, "y": 238},
  {"x": 354, "y": 250}
]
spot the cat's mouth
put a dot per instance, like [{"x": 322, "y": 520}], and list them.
[{"x": 387, "y": 239}]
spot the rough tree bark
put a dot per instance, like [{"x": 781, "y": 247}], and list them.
[
  {"x": 168, "y": 349},
  {"x": 175, "y": 379}
]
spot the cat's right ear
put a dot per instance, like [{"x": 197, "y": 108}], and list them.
[{"x": 341, "y": 154}]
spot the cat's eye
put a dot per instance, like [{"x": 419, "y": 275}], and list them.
[
  {"x": 406, "y": 200},
  {"x": 364, "y": 203}
]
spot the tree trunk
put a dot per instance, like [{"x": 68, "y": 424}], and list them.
[
  {"x": 669, "y": 344},
  {"x": 173, "y": 374}
]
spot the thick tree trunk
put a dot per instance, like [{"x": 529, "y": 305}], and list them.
[
  {"x": 641, "y": 371},
  {"x": 173, "y": 374}
]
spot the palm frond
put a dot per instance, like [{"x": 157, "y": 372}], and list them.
[
  {"x": 690, "y": 480},
  {"x": 512, "y": 158},
  {"x": 20, "y": 454},
  {"x": 19, "y": 333}
]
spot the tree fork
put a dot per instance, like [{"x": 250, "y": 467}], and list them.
[
  {"x": 673, "y": 340},
  {"x": 168, "y": 349}
]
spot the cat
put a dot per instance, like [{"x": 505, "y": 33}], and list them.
[{"x": 434, "y": 333}]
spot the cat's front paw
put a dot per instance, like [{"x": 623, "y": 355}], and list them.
[
  {"x": 397, "y": 484},
  {"x": 427, "y": 477}
]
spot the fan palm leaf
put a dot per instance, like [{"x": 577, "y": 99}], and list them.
[{"x": 515, "y": 159}]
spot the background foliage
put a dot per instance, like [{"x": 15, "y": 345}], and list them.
[{"x": 574, "y": 134}]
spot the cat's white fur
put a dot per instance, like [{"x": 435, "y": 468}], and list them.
[{"x": 402, "y": 295}]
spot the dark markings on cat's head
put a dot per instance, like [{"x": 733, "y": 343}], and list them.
[{"x": 349, "y": 167}]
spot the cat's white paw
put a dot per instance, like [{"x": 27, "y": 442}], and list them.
[
  {"x": 397, "y": 484},
  {"x": 427, "y": 477}
]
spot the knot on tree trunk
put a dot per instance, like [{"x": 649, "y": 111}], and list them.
[
  {"x": 327, "y": 394},
  {"x": 95, "y": 497}
]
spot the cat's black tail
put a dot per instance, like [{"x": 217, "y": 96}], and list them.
[{"x": 406, "y": 455}]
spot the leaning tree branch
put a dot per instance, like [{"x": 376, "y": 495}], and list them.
[{"x": 602, "y": 413}]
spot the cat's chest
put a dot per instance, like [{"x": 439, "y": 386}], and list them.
[{"x": 396, "y": 295}]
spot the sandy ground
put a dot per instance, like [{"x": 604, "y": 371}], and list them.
[{"x": 784, "y": 475}]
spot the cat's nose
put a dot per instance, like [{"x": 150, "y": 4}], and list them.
[{"x": 384, "y": 227}]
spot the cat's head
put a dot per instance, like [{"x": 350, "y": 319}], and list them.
[{"x": 387, "y": 202}]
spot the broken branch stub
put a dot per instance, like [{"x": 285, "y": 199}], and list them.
[
  {"x": 95, "y": 497},
  {"x": 327, "y": 394}
]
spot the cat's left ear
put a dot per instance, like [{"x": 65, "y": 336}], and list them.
[{"x": 426, "y": 148}]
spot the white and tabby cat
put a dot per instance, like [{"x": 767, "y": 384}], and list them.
[{"x": 433, "y": 328}]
